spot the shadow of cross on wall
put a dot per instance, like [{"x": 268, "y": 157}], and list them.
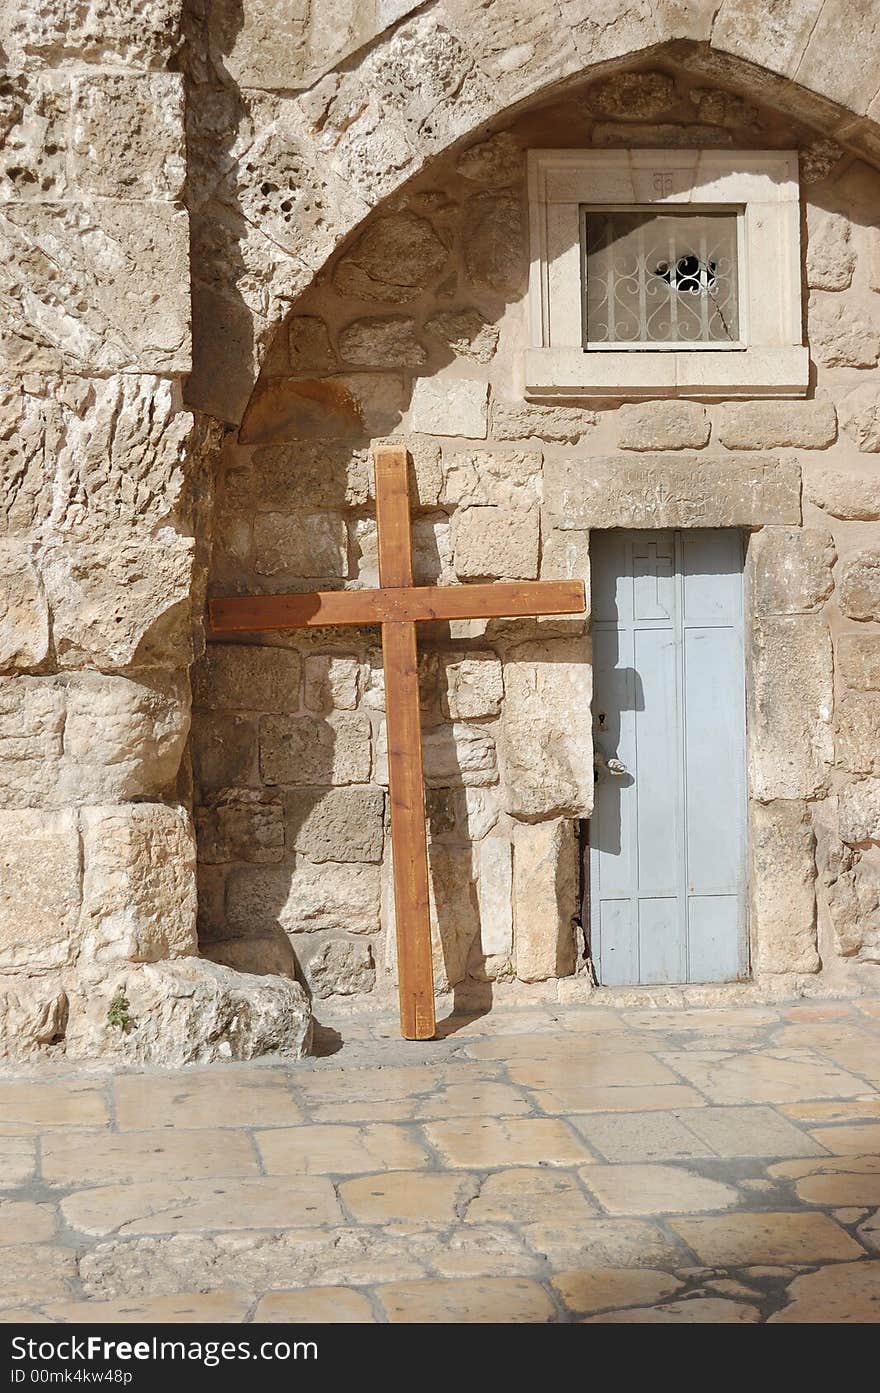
[{"x": 398, "y": 605}]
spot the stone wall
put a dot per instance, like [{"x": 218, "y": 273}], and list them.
[
  {"x": 415, "y": 332},
  {"x": 163, "y": 155}
]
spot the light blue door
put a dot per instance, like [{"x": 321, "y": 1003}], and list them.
[{"x": 667, "y": 892}]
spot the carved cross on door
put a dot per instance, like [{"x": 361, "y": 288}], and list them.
[{"x": 398, "y": 605}]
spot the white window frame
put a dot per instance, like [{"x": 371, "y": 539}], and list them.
[{"x": 762, "y": 186}]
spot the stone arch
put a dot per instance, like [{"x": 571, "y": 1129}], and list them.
[{"x": 289, "y": 158}]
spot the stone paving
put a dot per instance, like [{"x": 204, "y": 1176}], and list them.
[{"x": 538, "y": 1164}]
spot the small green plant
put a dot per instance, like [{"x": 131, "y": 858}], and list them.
[{"x": 119, "y": 1013}]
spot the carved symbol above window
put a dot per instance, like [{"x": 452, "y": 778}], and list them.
[{"x": 654, "y": 279}]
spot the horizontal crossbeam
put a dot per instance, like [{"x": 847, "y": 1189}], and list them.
[{"x": 498, "y": 600}]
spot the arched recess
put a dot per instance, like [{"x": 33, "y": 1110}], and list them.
[{"x": 279, "y": 180}]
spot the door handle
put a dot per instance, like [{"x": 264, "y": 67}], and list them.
[{"x": 612, "y": 766}]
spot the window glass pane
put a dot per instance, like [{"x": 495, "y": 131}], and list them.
[{"x": 659, "y": 278}]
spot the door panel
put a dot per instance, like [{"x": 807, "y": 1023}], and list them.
[{"x": 667, "y": 837}]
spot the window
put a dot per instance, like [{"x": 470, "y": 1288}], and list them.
[{"x": 663, "y": 273}]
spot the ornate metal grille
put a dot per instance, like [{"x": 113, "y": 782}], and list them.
[{"x": 655, "y": 280}]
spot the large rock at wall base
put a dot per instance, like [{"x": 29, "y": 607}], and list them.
[
  {"x": 672, "y": 491},
  {"x": 853, "y": 887},
  {"x": 139, "y": 884},
  {"x": 791, "y": 743},
  {"x": 784, "y": 875},
  {"x": 33, "y": 1018},
  {"x": 40, "y": 889},
  {"x": 792, "y": 569},
  {"x": 545, "y": 748},
  {"x": 188, "y": 1012},
  {"x": 545, "y": 893}
]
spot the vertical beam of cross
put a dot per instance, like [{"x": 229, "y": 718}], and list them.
[{"x": 406, "y": 784}]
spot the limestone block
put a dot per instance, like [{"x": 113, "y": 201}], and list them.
[
  {"x": 139, "y": 884},
  {"x": 265, "y": 44},
  {"x": 853, "y": 886},
  {"x": 33, "y": 1015},
  {"x": 466, "y": 332},
  {"x": 839, "y": 337},
  {"x": 127, "y": 135},
  {"x": 858, "y": 661},
  {"x": 341, "y": 967},
  {"x": 455, "y": 920},
  {"x": 459, "y": 754},
  {"x": 770, "y": 425},
  {"x": 633, "y": 96},
  {"x": 89, "y": 738},
  {"x": 545, "y": 881},
  {"x": 720, "y": 108},
  {"x": 496, "y": 541},
  {"x": 118, "y": 601},
  {"x": 425, "y": 473},
  {"x": 844, "y": 495},
  {"x": 393, "y": 260},
  {"x": 331, "y": 683},
  {"x": 190, "y": 1012},
  {"x": 505, "y": 478},
  {"x": 784, "y": 875},
  {"x": 136, "y": 33},
  {"x": 336, "y": 824},
  {"x": 858, "y": 811},
  {"x": 831, "y": 257},
  {"x": 858, "y": 732},
  {"x": 860, "y": 417},
  {"x": 519, "y": 420},
  {"x": 792, "y": 569},
  {"x": 859, "y": 589},
  {"x": 24, "y": 616},
  {"x": 474, "y": 687},
  {"x": 432, "y": 550},
  {"x": 265, "y": 957},
  {"x": 494, "y": 162},
  {"x": 313, "y": 475},
  {"x": 223, "y": 749},
  {"x": 462, "y": 814},
  {"x": 449, "y": 406},
  {"x": 671, "y": 491},
  {"x": 662, "y": 425},
  {"x": 545, "y": 754},
  {"x": 300, "y": 544},
  {"x": 303, "y": 899},
  {"x": 566, "y": 556},
  {"x": 308, "y": 345},
  {"x": 301, "y": 750},
  {"x": 246, "y": 676},
  {"x": 495, "y": 897},
  {"x": 791, "y": 737},
  {"x": 353, "y": 407},
  {"x": 126, "y": 270},
  {"x": 494, "y": 247},
  {"x": 33, "y": 160},
  {"x": 40, "y": 889},
  {"x": 391, "y": 342},
  {"x": 240, "y": 824}
]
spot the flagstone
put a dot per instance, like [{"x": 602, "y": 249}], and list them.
[
  {"x": 524, "y": 1141},
  {"x": 865, "y": 1108},
  {"x": 191, "y": 1206},
  {"x": 646, "y": 1189},
  {"x": 28, "y": 1106},
  {"x": 328, "y": 1149},
  {"x": 75, "y": 1159},
  {"x": 18, "y": 1160},
  {"x": 516, "y": 1196},
  {"x": 734, "y": 1240},
  {"x": 701, "y": 1310},
  {"x": 846, "y": 1293},
  {"x": 832, "y": 1180},
  {"x": 603, "y": 1243},
  {"x": 476, "y": 1250},
  {"x": 474, "y": 1100},
  {"x": 315, "y": 1306},
  {"x": 751, "y": 1131},
  {"x": 490, "y": 1300},
  {"x": 615, "y": 1070},
  {"x": 36, "y": 1272},
  {"x": 211, "y": 1307},
  {"x": 858, "y": 1139},
  {"x": 409, "y": 1197},
  {"x": 651, "y": 1136},
  {"x": 587, "y": 1291},
  {"x": 24, "y": 1222},
  {"x": 602, "y": 1098},
  {"x": 769, "y": 1077},
  {"x": 232, "y": 1096}
]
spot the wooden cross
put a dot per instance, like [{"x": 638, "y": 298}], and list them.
[{"x": 398, "y": 605}]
